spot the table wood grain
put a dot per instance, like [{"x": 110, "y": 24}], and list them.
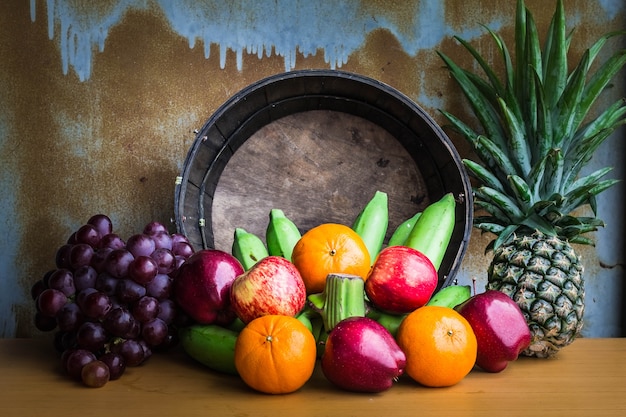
[{"x": 587, "y": 378}]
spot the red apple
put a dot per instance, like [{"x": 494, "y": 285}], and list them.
[
  {"x": 361, "y": 355},
  {"x": 401, "y": 280},
  {"x": 272, "y": 286},
  {"x": 500, "y": 327},
  {"x": 203, "y": 283}
]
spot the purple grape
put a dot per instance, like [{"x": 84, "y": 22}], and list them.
[
  {"x": 88, "y": 234},
  {"x": 50, "y": 302},
  {"x": 128, "y": 291},
  {"x": 160, "y": 287},
  {"x": 162, "y": 240},
  {"x": 102, "y": 223},
  {"x": 70, "y": 317},
  {"x": 91, "y": 336},
  {"x": 85, "y": 277},
  {"x": 183, "y": 249},
  {"x": 76, "y": 360},
  {"x": 131, "y": 350},
  {"x": 140, "y": 245},
  {"x": 113, "y": 241},
  {"x": 64, "y": 341},
  {"x": 167, "y": 310},
  {"x": 178, "y": 262},
  {"x": 145, "y": 309},
  {"x": 106, "y": 283},
  {"x": 153, "y": 228},
  {"x": 62, "y": 280},
  {"x": 62, "y": 257},
  {"x": 178, "y": 237},
  {"x": 154, "y": 332},
  {"x": 72, "y": 239},
  {"x": 99, "y": 258},
  {"x": 165, "y": 259},
  {"x": 116, "y": 364},
  {"x": 95, "y": 374},
  {"x": 143, "y": 269},
  {"x": 117, "y": 262},
  {"x": 44, "y": 323},
  {"x": 119, "y": 322},
  {"x": 37, "y": 288},
  {"x": 80, "y": 255},
  {"x": 96, "y": 305},
  {"x": 81, "y": 295},
  {"x": 147, "y": 349}
]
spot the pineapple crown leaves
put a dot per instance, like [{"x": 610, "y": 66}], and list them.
[{"x": 535, "y": 135}]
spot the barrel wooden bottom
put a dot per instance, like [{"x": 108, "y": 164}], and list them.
[{"x": 317, "y": 166}]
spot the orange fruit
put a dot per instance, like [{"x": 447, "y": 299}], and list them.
[
  {"x": 439, "y": 344},
  {"x": 329, "y": 248},
  {"x": 275, "y": 354}
]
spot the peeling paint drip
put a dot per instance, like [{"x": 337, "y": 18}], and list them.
[
  {"x": 283, "y": 27},
  {"x": 261, "y": 27}
]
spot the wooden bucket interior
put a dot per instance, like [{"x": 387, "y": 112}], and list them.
[{"x": 317, "y": 144}]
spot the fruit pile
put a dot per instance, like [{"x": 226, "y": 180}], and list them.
[
  {"x": 368, "y": 311},
  {"x": 110, "y": 300}
]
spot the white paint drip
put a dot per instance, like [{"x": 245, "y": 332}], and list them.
[{"x": 282, "y": 27}]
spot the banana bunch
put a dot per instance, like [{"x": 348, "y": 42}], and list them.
[
  {"x": 433, "y": 229},
  {"x": 372, "y": 222},
  {"x": 281, "y": 235},
  {"x": 450, "y": 296},
  {"x": 248, "y": 248},
  {"x": 211, "y": 345},
  {"x": 400, "y": 235}
]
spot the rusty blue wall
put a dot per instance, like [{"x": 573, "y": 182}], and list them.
[{"x": 100, "y": 99}]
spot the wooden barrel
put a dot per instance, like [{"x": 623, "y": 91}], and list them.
[{"x": 317, "y": 144}]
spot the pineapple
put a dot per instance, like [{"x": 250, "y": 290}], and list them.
[{"x": 534, "y": 137}]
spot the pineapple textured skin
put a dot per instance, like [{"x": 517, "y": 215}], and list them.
[{"x": 543, "y": 275}]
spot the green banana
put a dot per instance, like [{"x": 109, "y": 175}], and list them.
[
  {"x": 403, "y": 230},
  {"x": 433, "y": 230},
  {"x": 391, "y": 322},
  {"x": 451, "y": 296},
  {"x": 281, "y": 235},
  {"x": 248, "y": 248},
  {"x": 211, "y": 345},
  {"x": 372, "y": 222}
]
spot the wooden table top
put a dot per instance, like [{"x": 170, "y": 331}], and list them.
[{"x": 587, "y": 378}]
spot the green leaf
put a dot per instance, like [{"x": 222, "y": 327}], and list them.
[
  {"x": 565, "y": 120},
  {"x": 494, "y": 228},
  {"x": 555, "y": 57},
  {"x": 506, "y": 57},
  {"x": 505, "y": 235},
  {"x": 537, "y": 222},
  {"x": 491, "y": 75},
  {"x": 516, "y": 140},
  {"x": 522, "y": 191},
  {"x": 483, "y": 175},
  {"x": 521, "y": 69},
  {"x": 495, "y": 211},
  {"x": 503, "y": 201},
  {"x": 591, "y": 179},
  {"x": 582, "y": 154},
  {"x": 541, "y": 142},
  {"x": 581, "y": 240},
  {"x": 482, "y": 108},
  {"x": 600, "y": 80},
  {"x": 500, "y": 158},
  {"x": 586, "y": 195}
]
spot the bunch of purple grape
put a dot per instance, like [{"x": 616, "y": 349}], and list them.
[{"x": 110, "y": 300}]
